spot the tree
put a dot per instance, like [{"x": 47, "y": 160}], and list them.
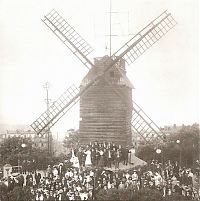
[
  {"x": 14, "y": 153},
  {"x": 146, "y": 153},
  {"x": 188, "y": 147},
  {"x": 12, "y": 150},
  {"x": 72, "y": 140},
  {"x": 188, "y": 137}
]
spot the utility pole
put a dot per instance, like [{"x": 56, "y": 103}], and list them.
[
  {"x": 199, "y": 142},
  {"x": 110, "y": 27},
  {"x": 47, "y": 100},
  {"x": 199, "y": 158}
]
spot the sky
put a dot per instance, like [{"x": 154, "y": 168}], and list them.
[{"x": 166, "y": 77}]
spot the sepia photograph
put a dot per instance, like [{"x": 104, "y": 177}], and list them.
[{"x": 99, "y": 100}]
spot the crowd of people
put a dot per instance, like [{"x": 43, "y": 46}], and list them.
[
  {"x": 85, "y": 179},
  {"x": 102, "y": 155}
]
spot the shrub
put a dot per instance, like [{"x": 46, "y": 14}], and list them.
[
  {"x": 147, "y": 195},
  {"x": 20, "y": 194}
]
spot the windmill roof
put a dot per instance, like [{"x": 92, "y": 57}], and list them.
[{"x": 119, "y": 71}]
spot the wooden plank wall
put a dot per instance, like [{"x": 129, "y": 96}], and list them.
[{"x": 105, "y": 116}]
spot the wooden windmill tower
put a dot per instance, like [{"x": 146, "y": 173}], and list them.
[
  {"x": 107, "y": 111},
  {"x": 105, "y": 116}
]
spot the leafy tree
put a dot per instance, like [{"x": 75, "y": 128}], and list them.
[
  {"x": 188, "y": 147},
  {"x": 14, "y": 153},
  {"x": 146, "y": 153},
  {"x": 72, "y": 140},
  {"x": 12, "y": 150}
]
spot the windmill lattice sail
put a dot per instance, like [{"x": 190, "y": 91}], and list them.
[
  {"x": 70, "y": 38},
  {"x": 145, "y": 127},
  {"x": 144, "y": 39},
  {"x": 57, "y": 109}
]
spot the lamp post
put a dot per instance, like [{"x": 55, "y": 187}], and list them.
[
  {"x": 23, "y": 145},
  {"x": 180, "y": 154},
  {"x": 159, "y": 151}
]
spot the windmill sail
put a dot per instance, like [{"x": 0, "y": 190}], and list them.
[
  {"x": 70, "y": 38},
  {"x": 144, "y": 39},
  {"x": 145, "y": 127},
  {"x": 57, "y": 109}
]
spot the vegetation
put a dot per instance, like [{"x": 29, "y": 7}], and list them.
[
  {"x": 13, "y": 152},
  {"x": 141, "y": 195},
  {"x": 188, "y": 144},
  {"x": 72, "y": 140},
  {"x": 21, "y": 194}
]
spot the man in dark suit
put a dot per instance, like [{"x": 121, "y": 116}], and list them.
[
  {"x": 125, "y": 152},
  {"x": 37, "y": 177}
]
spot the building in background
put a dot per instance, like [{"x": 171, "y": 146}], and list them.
[{"x": 39, "y": 141}]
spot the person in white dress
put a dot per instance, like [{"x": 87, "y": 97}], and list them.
[
  {"x": 131, "y": 155},
  {"x": 88, "y": 161},
  {"x": 74, "y": 160}
]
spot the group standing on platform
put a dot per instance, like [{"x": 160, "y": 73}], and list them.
[{"x": 102, "y": 155}]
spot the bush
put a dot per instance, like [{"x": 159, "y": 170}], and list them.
[
  {"x": 124, "y": 194},
  {"x": 176, "y": 197},
  {"x": 20, "y": 194},
  {"x": 110, "y": 194},
  {"x": 129, "y": 194},
  {"x": 147, "y": 195}
]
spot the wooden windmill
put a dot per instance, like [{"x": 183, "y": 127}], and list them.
[{"x": 107, "y": 112}]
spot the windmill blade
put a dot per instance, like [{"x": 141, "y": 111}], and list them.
[
  {"x": 144, "y": 39},
  {"x": 145, "y": 127},
  {"x": 70, "y": 38},
  {"x": 59, "y": 107}
]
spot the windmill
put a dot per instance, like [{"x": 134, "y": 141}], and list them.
[{"x": 107, "y": 112}]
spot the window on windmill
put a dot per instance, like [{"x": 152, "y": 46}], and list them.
[{"x": 112, "y": 74}]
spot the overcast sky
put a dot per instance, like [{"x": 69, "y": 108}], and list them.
[{"x": 166, "y": 77}]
